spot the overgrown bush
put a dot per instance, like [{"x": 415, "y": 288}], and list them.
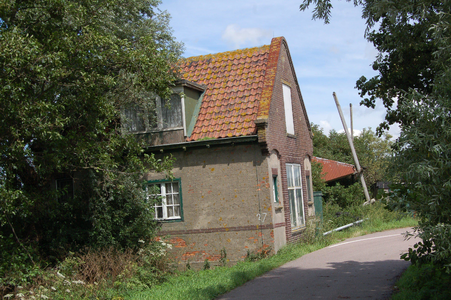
[
  {"x": 335, "y": 216},
  {"x": 18, "y": 264},
  {"x": 101, "y": 273},
  {"x": 344, "y": 196},
  {"x": 65, "y": 119},
  {"x": 377, "y": 213}
]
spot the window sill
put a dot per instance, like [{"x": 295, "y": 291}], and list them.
[
  {"x": 169, "y": 220},
  {"x": 157, "y": 130},
  {"x": 293, "y": 136},
  {"x": 278, "y": 207},
  {"x": 297, "y": 230}
]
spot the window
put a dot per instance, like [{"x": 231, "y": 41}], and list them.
[
  {"x": 168, "y": 200},
  {"x": 136, "y": 118},
  {"x": 274, "y": 189},
  {"x": 288, "y": 108},
  {"x": 170, "y": 113},
  {"x": 158, "y": 115},
  {"x": 295, "y": 196},
  {"x": 309, "y": 188},
  {"x": 64, "y": 189}
]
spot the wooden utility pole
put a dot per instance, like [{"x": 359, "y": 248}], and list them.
[
  {"x": 354, "y": 154},
  {"x": 352, "y": 123}
]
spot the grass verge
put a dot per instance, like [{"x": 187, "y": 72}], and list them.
[
  {"x": 146, "y": 274},
  {"x": 423, "y": 282},
  {"x": 209, "y": 284}
]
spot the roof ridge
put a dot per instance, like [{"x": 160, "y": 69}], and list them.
[
  {"x": 332, "y": 160},
  {"x": 214, "y": 55}
]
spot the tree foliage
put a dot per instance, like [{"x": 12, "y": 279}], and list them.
[
  {"x": 423, "y": 166},
  {"x": 414, "y": 63},
  {"x": 400, "y": 31},
  {"x": 67, "y": 69}
]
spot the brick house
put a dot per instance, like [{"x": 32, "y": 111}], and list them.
[{"x": 240, "y": 134}]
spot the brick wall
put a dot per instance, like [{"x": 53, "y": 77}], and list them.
[
  {"x": 226, "y": 203},
  {"x": 291, "y": 149}
]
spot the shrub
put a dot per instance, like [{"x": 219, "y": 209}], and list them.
[
  {"x": 17, "y": 264},
  {"x": 103, "y": 273},
  {"x": 344, "y": 196}
]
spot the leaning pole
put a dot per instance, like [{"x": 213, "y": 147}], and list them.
[{"x": 354, "y": 154}]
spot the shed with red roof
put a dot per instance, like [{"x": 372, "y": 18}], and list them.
[{"x": 334, "y": 170}]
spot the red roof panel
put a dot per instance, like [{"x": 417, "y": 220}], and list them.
[
  {"x": 333, "y": 170},
  {"x": 234, "y": 83}
]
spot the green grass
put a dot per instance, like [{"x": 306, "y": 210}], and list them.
[
  {"x": 423, "y": 282},
  {"x": 209, "y": 284},
  {"x": 152, "y": 282}
]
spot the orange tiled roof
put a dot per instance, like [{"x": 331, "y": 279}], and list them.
[
  {"x": 333, "y": 170},
  {"x": 235, "y": 81}
]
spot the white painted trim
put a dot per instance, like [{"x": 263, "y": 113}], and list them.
[{"x": 182, "y": 98}]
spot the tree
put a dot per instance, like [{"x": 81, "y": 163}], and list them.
[
  {"x": 406, "y": 48},
  {"x": 422, "y": 164},
  {"x": 67, "y": 70},
  {"x": 422, "y": 152}
]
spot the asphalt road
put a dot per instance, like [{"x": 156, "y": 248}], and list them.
[{"x": 365, "y": 267}]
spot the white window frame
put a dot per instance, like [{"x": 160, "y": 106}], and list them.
[
  {"x": 288, "y": 107},
  {"x": 164, "y": 194},
  {"x": 295, "y": 195}
]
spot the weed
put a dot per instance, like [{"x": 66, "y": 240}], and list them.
[
  {"x": 257, "y": 255},
  {"x": 223, "y": 257},
  {"x": 187, "y": 265},
  {"x": 206, "y": 264}
]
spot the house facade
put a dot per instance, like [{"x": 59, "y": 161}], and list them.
[{"x": 240, "y": 135}]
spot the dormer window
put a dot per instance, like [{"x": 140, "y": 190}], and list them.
[
  {"x": 169, "y": 113},
  {"x": 159, "y": 115},
  {"x": 136, "y": 118},
  {"x": 164, "y": 121}
]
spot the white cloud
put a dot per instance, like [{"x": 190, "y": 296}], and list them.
[
  {"x": 357, "y": 132},
  {"x": 239, "y": 37},
  {"x": 325, "y": 126}
]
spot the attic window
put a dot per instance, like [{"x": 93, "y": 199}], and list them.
[
  {"x": 137, "y": 118},
  {"x": 288, "y": 109},
  {"x": 170, "y": 113},
  {"x": 158, "y": 115}
]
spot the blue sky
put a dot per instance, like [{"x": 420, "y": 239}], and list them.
[{"x": 327, "y": 58}]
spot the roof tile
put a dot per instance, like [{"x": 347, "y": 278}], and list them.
[{"x": 235, "y": 82}]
